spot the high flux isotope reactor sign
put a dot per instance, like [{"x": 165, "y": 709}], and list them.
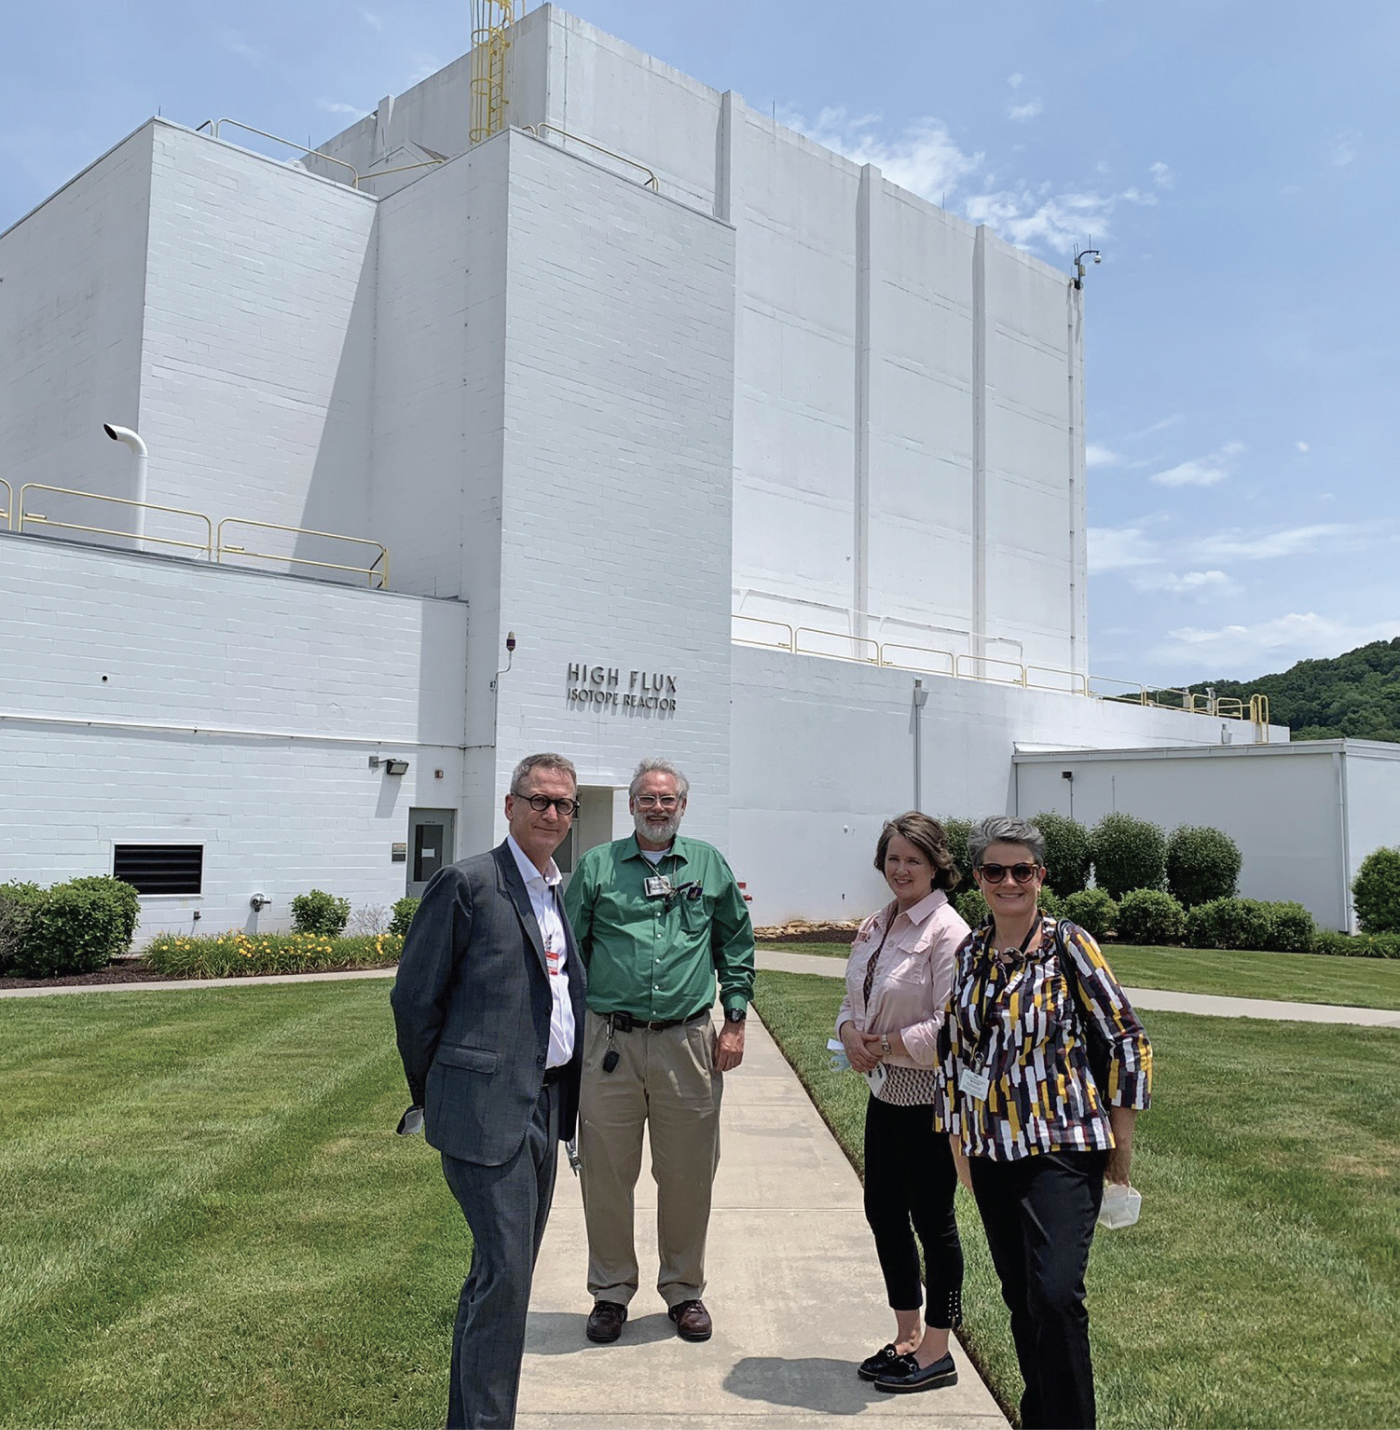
[{"x": 601, "y": 687}]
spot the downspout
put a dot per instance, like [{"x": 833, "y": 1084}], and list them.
[
  {"x": 920, "y": 700},
  {"x": 1339, "y": 762}
]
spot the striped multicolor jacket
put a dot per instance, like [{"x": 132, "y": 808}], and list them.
[{"x": 1042, "y": 1095}]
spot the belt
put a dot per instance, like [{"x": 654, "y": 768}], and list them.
[
  {"x": 625, "y": 1022},
  {"x": 552, "y": 1075}
]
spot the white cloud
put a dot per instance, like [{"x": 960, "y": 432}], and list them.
[
  {"x": 1119, "y": 549},
  {"x": 334, "y": 106},
  {"x": 1029, "y": 110},
  {"x": 1139, "y": 196},
  {"x": 234, "y": 42},
  {"x": 1201, "y": 471},
  {"x": 371, "y": 19},
  {"x": 1246, "y": 651},
  {"x": 1160, "y": 425},
  {"x": 1161, "y": 175},
  {"x": 1301, "y": 446},
  {"x": 1187, "y": 583},
  {"x": 1268, "y": 546},
  {"x": 1015, "y": 80},
  {"x": 1343, "y": 148},
  {"x": 924, "y": 158},
  {"x": 1097, "y": 455},
  {"x": 1063, "y": 222}
]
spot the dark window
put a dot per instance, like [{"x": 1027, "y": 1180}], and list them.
[{"x": 160, "y": 868}]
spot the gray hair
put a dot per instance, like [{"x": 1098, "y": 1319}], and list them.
[
  {"x": 541, "y": 762},
  {"x": 1004, "y": 829},
  {"x": 658, "y": 766}
]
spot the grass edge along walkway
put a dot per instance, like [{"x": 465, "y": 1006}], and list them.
[{"x": 1269, "y": 1184}]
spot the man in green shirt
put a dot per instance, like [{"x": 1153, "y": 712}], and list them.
[{"x": 657, "y": 918}]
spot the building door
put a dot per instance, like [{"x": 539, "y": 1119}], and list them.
[
  {"x": 429, "y": 846},
  {"x": 602, "y": 816}
]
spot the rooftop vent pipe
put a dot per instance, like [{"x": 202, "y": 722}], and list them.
[{"x": 131, "y": 439}]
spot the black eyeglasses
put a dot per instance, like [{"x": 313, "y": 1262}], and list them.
[
  {"x": 539, "y": 803},
  {"x": 996, "y": 873}
]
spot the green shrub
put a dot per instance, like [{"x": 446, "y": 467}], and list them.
[
  {"x": 73, "y": 928},
  {"x": 126, "y": 902},
  {"x": 17, "y": 902},
  {"x": 1363, "y": 945},
  {"x": 1051, "y": 905},
  {"x": 1293, "y": 928},
  {"x": 1376, "y": 892},
  {"x": 1129, "y": 854},
  {"x": 319, "y": 912},
  {"x": 236, "y": 954},
  {"x": 1093, "y": 910},
  {"x": 957, "y": 831},
  {"x": 1068, "y": 852},
  {"x": 1202, "y": 864},
  {"x": 1245, "y": 923},
  {"x": 404, "y": 911},
  {"x": 972, "y": 906},
  {"x": 1150, "y": 916}
]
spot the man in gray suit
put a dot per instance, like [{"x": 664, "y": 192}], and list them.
[{"x": 487, "y": 1004}]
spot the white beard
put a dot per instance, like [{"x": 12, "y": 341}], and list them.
[{"x": 657, "y": 833}]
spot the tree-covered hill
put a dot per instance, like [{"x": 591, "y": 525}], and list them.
[{"x": 1356, "y": 694}]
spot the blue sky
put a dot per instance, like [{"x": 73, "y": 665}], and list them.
[{"x": 1236, "y": 162}]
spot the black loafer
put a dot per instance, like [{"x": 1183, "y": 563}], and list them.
[
  {"x": 886, "y": 1358},
  {"x": 901, "y": 1380}
]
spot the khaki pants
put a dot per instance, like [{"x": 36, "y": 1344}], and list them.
[{"x": 667, "y": 1081}]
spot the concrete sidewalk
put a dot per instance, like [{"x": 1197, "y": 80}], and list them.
[
  {"x": 1208, "y": 1004},
  {"x": 795, "y": 1292}
]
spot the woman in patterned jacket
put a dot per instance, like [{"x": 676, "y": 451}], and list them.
[
  {"x": 897, "y": 983},
  {"x": 1034, "y": 1006}
]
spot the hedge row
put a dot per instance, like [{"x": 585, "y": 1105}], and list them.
[
  {"x": 69, "y": 928},
  {"x": 235, "y": 954}
]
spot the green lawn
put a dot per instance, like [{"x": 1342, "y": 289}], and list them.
[
  {"x": 1287, "y": 977},
  {"x": 206, "y": 1219},
  {"x": 1262, "y": 1286}
]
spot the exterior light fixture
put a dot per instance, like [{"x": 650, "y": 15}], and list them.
[{"x": 395, "y": 767}]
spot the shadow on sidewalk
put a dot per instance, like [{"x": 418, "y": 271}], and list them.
[{"x": 807, "y": 1382}]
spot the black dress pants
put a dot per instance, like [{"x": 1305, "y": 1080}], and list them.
[
  {"x": 506, "y": 1208},
  {"x": 1039, "y": 1215},
  {"x": 910, "y": 1177}
]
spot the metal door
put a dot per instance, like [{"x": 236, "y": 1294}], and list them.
[{"x": 430, "y": 834}]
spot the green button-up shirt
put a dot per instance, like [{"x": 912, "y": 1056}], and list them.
[{"x": 658, "y": 958}]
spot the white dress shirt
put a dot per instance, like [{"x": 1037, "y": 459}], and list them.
[{"x": 544, "y": 899}]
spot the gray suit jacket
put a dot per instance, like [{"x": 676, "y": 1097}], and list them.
[{"x": 472, "y": 1006}]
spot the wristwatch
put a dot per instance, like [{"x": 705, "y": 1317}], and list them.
[
  {"x": 885, "y": 1043},
  {"x": 735, "y": 1015}
]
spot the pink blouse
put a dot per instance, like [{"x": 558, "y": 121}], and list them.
[{"x": 913, "y": 977}]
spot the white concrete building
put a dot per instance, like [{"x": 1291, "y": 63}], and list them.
[{"x": 770, "y": 466}]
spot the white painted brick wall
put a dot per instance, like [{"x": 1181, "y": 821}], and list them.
[{"x": 281, "y": 689}]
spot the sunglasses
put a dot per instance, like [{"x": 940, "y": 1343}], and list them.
[{"x": 996, "y": 873}]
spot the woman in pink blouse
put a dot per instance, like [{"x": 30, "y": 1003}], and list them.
[{"x": 897, "y": 984}]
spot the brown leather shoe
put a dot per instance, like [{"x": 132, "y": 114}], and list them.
[
  {"x": 605, "y": 1321},
  {"x": 692, "y": 1321}
]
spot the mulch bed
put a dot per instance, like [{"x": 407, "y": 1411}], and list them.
[
  {"x": 808, "y": 933},
  {"x": 131, "y": 971}
]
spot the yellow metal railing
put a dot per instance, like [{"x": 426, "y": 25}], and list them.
[
  {"x": 943, "y": 655},
  {"x": 35, "y": 518},
  {"x": 761, "y": 621},
  {"x": 376, "y": 573},
  {"x": 18, "y": 515},
  {"x": 214, "y": 125},
  {"x": 535, "y": 129},
  {"x": 853, "y": 642},
  {"x": 994, "y": 669}
]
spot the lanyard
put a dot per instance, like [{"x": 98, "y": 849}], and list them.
[{"x": 988, "y": 1005}]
